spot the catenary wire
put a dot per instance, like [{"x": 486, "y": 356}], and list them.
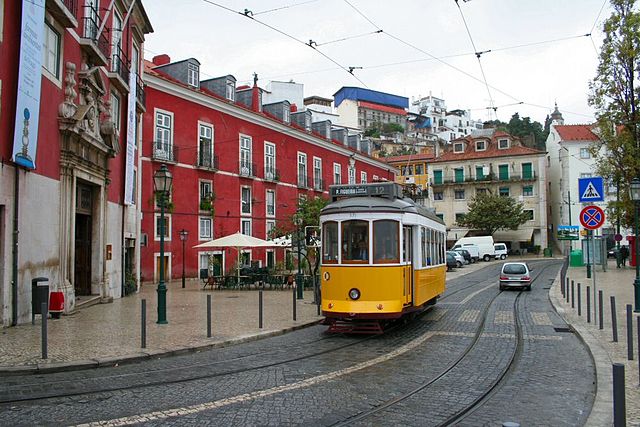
[{"x": 284, "y": 7}]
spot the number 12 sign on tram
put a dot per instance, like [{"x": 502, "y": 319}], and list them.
[{"x": 592, "y": 217}]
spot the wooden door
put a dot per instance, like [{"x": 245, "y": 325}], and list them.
[{"x": 82, "y": 270}]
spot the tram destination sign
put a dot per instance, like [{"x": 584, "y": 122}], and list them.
[{"x": 384, "y": 189}]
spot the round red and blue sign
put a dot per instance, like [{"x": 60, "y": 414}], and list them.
[{"x": 592, "y": 217}]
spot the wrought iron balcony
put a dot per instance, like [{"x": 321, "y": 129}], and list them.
[
  {"x": 271, "y": 174},
  {"x": 247, "y": 169},
  {"x": 96, "y": 45},
  {"x": 207, "y": 160},
  {"x": 119, "y": 69},
  {"x": 140, "y": 94},
  {"x": 165, "y": 152},
  {"x": 64, "y": 11}
]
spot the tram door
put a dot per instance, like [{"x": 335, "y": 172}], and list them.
[{"x": 407, "y": 257}]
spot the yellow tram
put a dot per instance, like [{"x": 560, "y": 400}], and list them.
[{"x": 383, "y": 256}]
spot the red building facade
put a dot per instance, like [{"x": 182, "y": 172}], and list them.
[
  {"x": 237, "y": 165},
  {"x": 65, "y": 219}
]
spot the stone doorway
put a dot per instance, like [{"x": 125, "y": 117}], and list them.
[{"x": 83, "y": 240}]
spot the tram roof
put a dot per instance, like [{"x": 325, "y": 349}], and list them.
[{"x": 378, "y": 204}]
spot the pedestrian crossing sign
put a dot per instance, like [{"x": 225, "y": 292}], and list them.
[{"x": 591, "y": 189}]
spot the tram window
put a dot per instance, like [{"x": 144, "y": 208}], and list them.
[
  {"x": 330, "y": 242},
  {"x": 355, "y": 241},
  {"x": 423, "y": 246},
  {"x": 385, "y": 242}
]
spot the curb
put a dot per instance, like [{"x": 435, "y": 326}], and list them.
[
  {"x": 48, "y": 368},
  {"x": 602, "y": 410}
]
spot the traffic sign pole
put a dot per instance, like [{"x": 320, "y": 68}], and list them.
[{"x": 591, "y": 217}]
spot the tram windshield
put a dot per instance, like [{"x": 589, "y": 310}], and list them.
[
  {"x": 330, "y": 242},
  {"x": 355, "y": 241},
  {"x": 385, "y": 241}
]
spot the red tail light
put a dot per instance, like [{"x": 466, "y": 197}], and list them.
[
  {"x": 526, "y": 278},
  {"x": 504, "y": 278}
]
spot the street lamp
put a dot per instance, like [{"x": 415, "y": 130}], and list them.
[
  {"x": 634, "y": 193},
  {"x": 299, "y": 286},
  {"x": 183, "y": 236},
  {"x": 162, "y": 180}
]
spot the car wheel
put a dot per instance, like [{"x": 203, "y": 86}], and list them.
[
  {"x": 528, "y": 288},
  {"x": 458, "y": 264},
  {"x": 473, "y": 260},
  {"x": 503, "y": 256},
  {"x": 501, "y": 288},
  {"x": 486, "y": 257}
]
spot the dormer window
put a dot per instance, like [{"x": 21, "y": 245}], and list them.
[
  {"x": 193, "y": 75},
  {"x": 285, "y": 114},
  {"x": 230, "y": 93},
  {"x": 481, "y": 145},
  {"x": 458, "y": 147},
  {"x": 503, "y": 144}
]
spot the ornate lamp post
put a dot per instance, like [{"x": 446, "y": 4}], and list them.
[
  {"x": 162, "y": 181},
  {"x": 634, "y": 193},
  {"x": 183, "y": 237},
  {"x": 299, "y": 286}
]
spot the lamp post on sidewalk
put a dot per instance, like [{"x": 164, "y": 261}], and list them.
[
  {"x": 183, "y": 236},
  {"x": 162, "y": 181},
  {"x": 634, "y": 193},
  {"x": 299, "y": 286}
]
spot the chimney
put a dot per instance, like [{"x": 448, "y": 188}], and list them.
[
  {"x": 294, "y": 108},
  {"x": 161, "y": 60}
]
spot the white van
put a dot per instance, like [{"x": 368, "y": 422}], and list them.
[
  {"x": 473, "y": 249},
  {"x": 500, "y": 250},
  {"x": 484, "y": 244}
]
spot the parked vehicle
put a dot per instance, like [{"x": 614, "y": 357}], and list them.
[
  {"x": 451, "y": 262},
  {"x": 465, "y": 254},
  {"x": 459, "y": 258},
  {"x": 500, "y": 250},
  {"x": 472, "y": 248},
  {"x": 515, "y": 274},
  {"x": 484, "y": 243}
]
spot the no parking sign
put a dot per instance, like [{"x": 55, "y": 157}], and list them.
[{"x": 592, "y": 217}]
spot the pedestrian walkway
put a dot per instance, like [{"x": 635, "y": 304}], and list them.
[
  {"x": 616, "y": 282},
  {"x": 106, "y": 334}
]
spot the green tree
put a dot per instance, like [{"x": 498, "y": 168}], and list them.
[
  {"x": 533, "y": 134},
  {"x": 491, "y": 212},
  {"x": 614, "y": 95}
]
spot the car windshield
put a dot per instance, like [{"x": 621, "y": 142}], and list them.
[{"x": 514, "y": 269}]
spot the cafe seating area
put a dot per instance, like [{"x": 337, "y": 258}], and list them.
[{"x": 251, "y": 278}]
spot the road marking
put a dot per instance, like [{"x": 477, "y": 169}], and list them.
[
  {"x": 484, "y": 288},
  {"x": 503, "y": 317},
  {"x": 469, "y": 316},
  {"x": 500, "y": 335},
  {"x": 170, "y": 413},
  {"x": 541, "y": 319}
]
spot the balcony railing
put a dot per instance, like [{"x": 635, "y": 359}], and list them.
[
  {"x": 164, "y": 151},
  {"x": 91, "y": 25},
  {"x": 246, "y": 169},
  {"x": 207, "y": 160},
  {"x": 303, "y": 181},
  {"x": 64, "y": 11},
  {"x": 120, "y": 64},
  {"x": 486, "y": 178},
  {"x": 140, "y": 95},
  {"x": 72, "y": 5},
  {"x": 318, "y": 184},
  {"x": 271, "y": 174}
]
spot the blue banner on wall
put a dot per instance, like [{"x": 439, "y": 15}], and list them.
[{"x": 25, "y": 137}]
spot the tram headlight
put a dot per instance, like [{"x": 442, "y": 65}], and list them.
[{"x": 354, "y": 294}]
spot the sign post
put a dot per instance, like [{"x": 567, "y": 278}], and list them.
[{"x": 592, "y": 217}]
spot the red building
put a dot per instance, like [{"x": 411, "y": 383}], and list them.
[
  {"x": 62, "y": 180},
  {"x": 238, "y": 165}
]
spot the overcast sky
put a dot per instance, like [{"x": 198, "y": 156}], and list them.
[{"x": 398, "y": 60}]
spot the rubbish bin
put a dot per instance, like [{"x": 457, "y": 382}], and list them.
[
  {"x": 547, "y": 252},
  {"x": 39, "y": 294},
  {"x": 575, "y": 258}
]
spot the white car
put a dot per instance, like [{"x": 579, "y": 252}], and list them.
[
  {"x": 500, "y": 250},
  {"x": 459, "y": 258},
  {"x": 515, "y": 274}
]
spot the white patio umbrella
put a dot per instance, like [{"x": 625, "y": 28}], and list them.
[
  {"x": 281, "y": 242},
  {"x": 238, "y": 241}
]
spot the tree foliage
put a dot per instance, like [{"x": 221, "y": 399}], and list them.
[
  {"x": 491, "y": 212},
  {"x": 532, "y": 133},
  {"x": 614, "y": 94}
]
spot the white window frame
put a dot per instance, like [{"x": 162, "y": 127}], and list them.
[
  {"x": 203, "y": 220},
  {"x": 245, "y": 145},
  {"x": 269, "y": 225},
  {"x": 484, "y": 145},
  {"x": 363, "y": 177},
  {"x": 202, "y": 184},
  {"x": 116, "y": 40},
  {"x": 302, "y": 167},
  {"x": 266, "y": 202},
  {"x": 193, "y": 75},
  {"x": 116, "y": 108},
  {"x": 584, "y": 153},
  {"x": 204, "y": 126},
  {"x": 464, "y": 195},
  {"x": 1, "y": 19},
  {"x": 243, "y": 187},
  {"x": 351, "y": 175},
  {"x": 533, "y": 214},
  {"x": 169, "y": 129},
  {"x": 50, "y": 27},
  {"x": 500, "y": 141},
  {"x": 532, "y": 191},
  {"x": 375, "y": 178},
  {"x": 167, "y": 237},
  {"x": 286, "y": 114},
  {"x": 246, "y": 221},
  {"x": 337, "y": 173},
  {"x": 317, "y": 172},
  {"x": 269, "y": 160},
  {"x": 458, "y": 147},
  {"x": 230, "y": 90}
]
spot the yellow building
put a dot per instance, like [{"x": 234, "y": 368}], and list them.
[{"x": 413, "y": 170}]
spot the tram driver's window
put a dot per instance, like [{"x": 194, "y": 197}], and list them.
[
  {"x": 385, "y": 242},
  {"x": 355, "y": 241},
  {"x": 330, "y": 242}
]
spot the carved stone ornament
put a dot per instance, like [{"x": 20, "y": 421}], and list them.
[{"x": 68, "y": 108}]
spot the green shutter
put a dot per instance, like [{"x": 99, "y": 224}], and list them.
[
  {"x": 437, "y": 177},
  {"x": 479, "y": 173},
  {"x": 527, "y": 171},
  {"x": 503, "y": 172},
  {"x": 459, "y": 175}
]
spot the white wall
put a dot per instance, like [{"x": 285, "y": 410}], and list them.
[
  {"x": 284, "y": 91},
  {"x": 348, "y": 112}
]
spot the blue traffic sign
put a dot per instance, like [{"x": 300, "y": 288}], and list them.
[
  {"x": 591, "y": 189},
  {"x": 592, "y": 217}
]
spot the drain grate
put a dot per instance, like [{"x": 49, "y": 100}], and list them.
[
  {"x": 546, "y": 288},
  {"x": 563, "y": 330}
]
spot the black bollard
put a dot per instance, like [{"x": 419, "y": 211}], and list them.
[
  {"x": 600, "y": 310},
  {"x": 629, "y": 332},
  {"x": 566, "y": 294},
  {"x": 260, "y": 309},
  {"x": 143, "y": 323},
  {"x": 638, "y": 329},
  {"x": 588, "y": 304},
  {"x": 294, "y": 302},
  {"x": 619, "y": 406},
  {"x": 572, "y": 295},
  {"x": 44, "y": 310},
  {"x": 614, "y": 319},
  {"x": 579, "y": 299},
  {"x": 209, "y": 316}
]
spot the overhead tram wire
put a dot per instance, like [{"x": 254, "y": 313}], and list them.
[
  {"x": 478, "y": 55},
  {"x": 349, "y": 38},
  {"x": 248, "y": 14},
  {"x": 595, "y": 22},
  {"x": 284, "y": 7}
]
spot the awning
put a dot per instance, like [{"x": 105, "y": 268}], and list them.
[
  {"x": 520, "y": 235},
  {"x": 456, "y": 233}
]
